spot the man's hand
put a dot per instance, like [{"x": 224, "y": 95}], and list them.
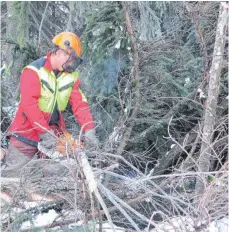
[
  {"x": 90, "y": 139},
  {"x": 47, "y": 145},
  {"x": 48, "y": 139}
]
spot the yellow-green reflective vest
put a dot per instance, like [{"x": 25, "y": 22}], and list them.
[{"x": 53, "y": 89}]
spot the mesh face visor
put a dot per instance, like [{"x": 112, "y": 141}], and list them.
[{"x": 73, "y": 61}]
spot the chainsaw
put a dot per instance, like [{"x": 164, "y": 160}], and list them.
[
  {"x": 66, "y": 145},
  {"x": 67, "y": 140}
]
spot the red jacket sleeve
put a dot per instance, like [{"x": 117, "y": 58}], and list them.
[
  {"x": 30, "y": 90},
  {"x": 80, "y": 108}
]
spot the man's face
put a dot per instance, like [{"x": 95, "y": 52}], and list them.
[{"x": 61, "y": 58}]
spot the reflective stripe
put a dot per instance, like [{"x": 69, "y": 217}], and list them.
[
  {"x": 66, "y": 86},
  {"x": 83, "y": 96},
  {"x": 54, "y": 90},
  {"x": 47, "y": 85}
]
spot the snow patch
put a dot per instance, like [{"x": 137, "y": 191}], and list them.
[
  {"x": 181, "y": 224},
  {"x": 223, "y": 224},
  {"x": 187, "y": 81},
  {"x": 202, "y": 95},
  {"x": 116, "y": 138},
  {"x": 97, "y": 33},
  {"x": 41, "y": 220},
  {"x": 3, "y": 67},
  {"x": 107, "y": 228},
  {"x": 10, "y": 110},
  {"x": 172, "y": 146},
  {"x": 73, "y": 225},
  {"x": 216, "y": 65},
  {"x": 118, "y": 44},
  {"x": 218, "y": 53},
  {"x": 30, "y": 204},
  {"x": 176, "y": 225}
]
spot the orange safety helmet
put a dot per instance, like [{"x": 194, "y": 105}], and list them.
[
  {"x": 67, "y": 40},
  {"x": 70, "y": 43}
]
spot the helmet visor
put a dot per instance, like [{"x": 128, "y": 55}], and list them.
[{"x": 72, "y": 63}]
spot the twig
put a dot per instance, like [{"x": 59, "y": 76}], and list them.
[
  {"x": 92, "y": 185},
  {"x": 113, "y": 201},
  {"x": 102, "y": 212},
  {"x": 46, "y": 130}
]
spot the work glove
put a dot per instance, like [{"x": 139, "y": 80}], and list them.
[
  {"x": 91, "y": 139},
  {"x": 47, "y": 145},
  {"x": 48, "y": 139}
]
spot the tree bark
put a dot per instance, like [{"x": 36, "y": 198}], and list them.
[
  {"x": 70, "y": 17},
  {"x": 40, "y": 27},
  {"x": 11, "y": 32},
  {"x": 211, "y": 102}
]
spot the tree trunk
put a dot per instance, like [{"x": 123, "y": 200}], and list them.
[
  {"x": 10, "y": 32},
  {"x": 135, "y": 80},
  {"x": 70, "y": 17},
  {"x": 211, "y": 102}
]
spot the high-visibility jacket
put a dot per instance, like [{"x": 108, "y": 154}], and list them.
[{"x": 40, "y": 92}]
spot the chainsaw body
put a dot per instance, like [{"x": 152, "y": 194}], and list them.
[{"x": 67, "y": 144}]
